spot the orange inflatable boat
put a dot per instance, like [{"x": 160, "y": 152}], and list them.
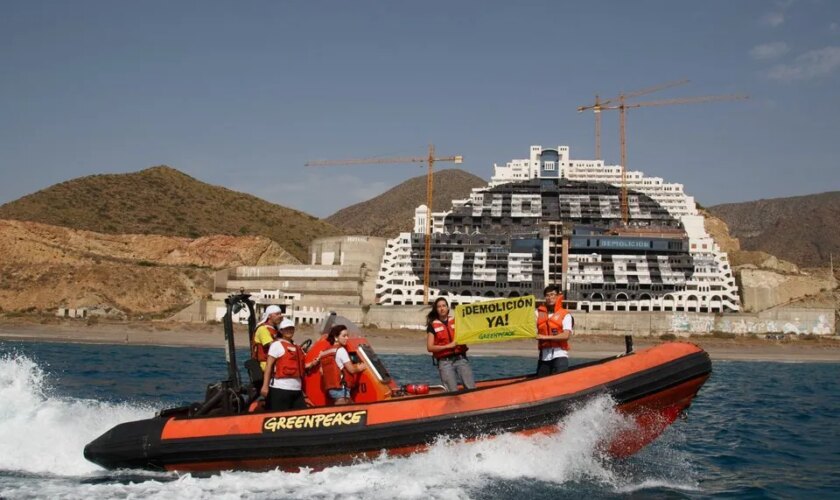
[{"x": 653, "y": 386}]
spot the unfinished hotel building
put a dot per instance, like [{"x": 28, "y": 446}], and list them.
[{"x": 549, "y": 214}]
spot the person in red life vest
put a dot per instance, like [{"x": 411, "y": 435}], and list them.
[
  {"x": 283, "y": 378},
  {"x": 450, "y": 357},
  {"x": 336, "y": 368},
  {"x": 554, "y": 327},
  {"x": 265, "y": 334}
]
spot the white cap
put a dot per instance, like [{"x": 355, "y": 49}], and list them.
[
  {"x": 286, "y": 323},
  {"x": 272, "y": 309}
]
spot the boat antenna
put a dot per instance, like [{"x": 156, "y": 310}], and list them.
[{"x": 236, "y": 303}]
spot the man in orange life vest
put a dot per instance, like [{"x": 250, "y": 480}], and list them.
[
  {"x": 265, "y": 333},
  {"x": 554, "y": 327}
]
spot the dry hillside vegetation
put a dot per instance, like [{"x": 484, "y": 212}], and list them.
[
  {"x": 162, "y": 200},
  {"x": 44, "y": 267},
  {"x": 801, "y": 229},
  {"x": 392, "y": 212}
]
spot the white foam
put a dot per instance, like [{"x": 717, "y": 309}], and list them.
[{"x": 45, "y": 434}]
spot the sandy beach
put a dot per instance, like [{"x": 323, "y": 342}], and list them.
[{"x": 402, "y": 341}]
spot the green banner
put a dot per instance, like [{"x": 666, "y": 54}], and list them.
[{"x": 496, "y": 320}]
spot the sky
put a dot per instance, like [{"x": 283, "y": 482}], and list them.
[{"x": 243, "y": 94}]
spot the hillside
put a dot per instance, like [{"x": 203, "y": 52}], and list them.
[
  {"x": 44, "y": 267},
  {"x": 393, "y": 211},
  {"x": 162, "y": 200},
  {"x": 801, "y": 229}
]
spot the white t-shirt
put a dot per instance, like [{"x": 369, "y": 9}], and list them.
[
  {"x": 550, "y": 353},
  {"x": 341, "y": 357},
  {"x": 275, "y": 350}
]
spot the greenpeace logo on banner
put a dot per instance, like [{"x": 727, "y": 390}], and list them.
[
  {"x": 496, "y": 335},
  {"x": 496, "y": 320}
]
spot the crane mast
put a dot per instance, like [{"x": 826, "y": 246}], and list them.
[
  {"x": 429, "y": 160},
  {"x": 620, "y": 103}
]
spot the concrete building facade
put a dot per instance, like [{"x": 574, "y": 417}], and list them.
[
  {"x": 550, "y": 219},
  {"x": 341, "y": 274}
]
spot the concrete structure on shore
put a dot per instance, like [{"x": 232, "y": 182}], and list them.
[
  {"x": 547, "y": 219},
  {"x": 341, "y": 274},
  {"x": 341, "y": 277},
  {"x": 65, "y": 312},
  {"x": 552, "y": 219}
]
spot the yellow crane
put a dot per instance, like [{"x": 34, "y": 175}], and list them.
[{"x": 430, "y": 160}]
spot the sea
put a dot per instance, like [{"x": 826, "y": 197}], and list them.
[{"x": 756, "y": 430}]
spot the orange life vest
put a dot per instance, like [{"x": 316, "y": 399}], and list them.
[
  {"x": 259, "y": 351},
  {"x": 444, "y": 334},
  {"x": 290, "y": 364},
  {"x": 330, "y": 372},
  {"x": 333, "y": 376},
  {"x": 551, "y": 324}
]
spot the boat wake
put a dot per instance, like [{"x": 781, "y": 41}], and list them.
[
  {"x": 42, "y": 436},
  {"x": 44, "y": 433}
]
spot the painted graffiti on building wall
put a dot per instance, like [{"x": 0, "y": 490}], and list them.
[
  {"x": 684, "y": 323},
  {"x": 815, "y": 325}
]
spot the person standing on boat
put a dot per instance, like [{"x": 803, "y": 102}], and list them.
[
  {"x": 283, "y": 378},
  {"x": 554, "y": 327},
  {"x": 337, "y": 368},
  {"x": 265, "y": 334},
  {"x": 450, "y": 357}
]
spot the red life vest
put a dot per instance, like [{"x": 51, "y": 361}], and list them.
[
  {"x": 333, "y": 377},
  {"x": 551, "y": 324},
  {"x": 290, "y": 364},
  {"x": 259, "y": 351},
  {"x": 444, "y": 334}
]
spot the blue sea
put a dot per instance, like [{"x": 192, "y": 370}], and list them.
[{"x": 756, "y": 430}]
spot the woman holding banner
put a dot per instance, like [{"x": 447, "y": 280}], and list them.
[{"x": 449, "y": 356}]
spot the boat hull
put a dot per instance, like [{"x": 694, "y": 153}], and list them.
[{"x": 653, "y": 386}]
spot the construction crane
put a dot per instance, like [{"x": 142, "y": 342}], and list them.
[
  {"x": 622, "y": 108},
  {"x": 598, "y": 106},
  {"x": 430, "y": 160}
]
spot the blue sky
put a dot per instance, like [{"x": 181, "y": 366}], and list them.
[{"x": 242, "y": 94}]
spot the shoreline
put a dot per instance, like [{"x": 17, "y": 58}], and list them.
[{"x": 408, "y": 342}]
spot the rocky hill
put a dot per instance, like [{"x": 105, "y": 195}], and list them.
[
  {"x": 44, "y": 267},
  {"x": 801, "y": 229},
  {"x": 392, "y": 212},
  {"x": 766, "y": 281},
  {"x": 162, "y": 200}
]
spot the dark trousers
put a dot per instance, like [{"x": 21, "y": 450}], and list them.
[
  {"x": 281, "y": 399},
  {"x": 556, "y": 365}
]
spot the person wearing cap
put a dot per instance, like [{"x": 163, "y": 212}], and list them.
[
  {"x": 284, "y": 370},
  {"x": 554, "y": 327},
  {"x": 265, "y": 333}
]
